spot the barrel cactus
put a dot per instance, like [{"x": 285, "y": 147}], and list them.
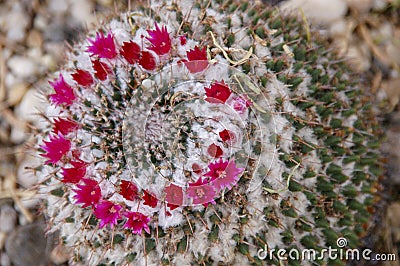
[{"x": 201, "y": 132}]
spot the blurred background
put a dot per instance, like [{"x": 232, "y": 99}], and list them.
[{"x": 34, "y": 35}]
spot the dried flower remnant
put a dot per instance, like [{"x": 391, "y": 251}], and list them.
[
  {"x": 83, "y": 77},
  {"x": 131, "y": 52},
  {"x": 196, "y": 59},
  {"x": 218, "y": 92},
  {"x": 64, "y": 126}
]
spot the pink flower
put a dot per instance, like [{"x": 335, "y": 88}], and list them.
[
  {"x": 56, "y": 148},
  {"x": 102, "y": 46},
  {"x": 88, "y": 193},
  {"x": 64, "y": 126},
  {"x": 101, "y": 69},
  {"x": 137, "y": 222},
  {"x": 197, "y": 60},
  {"x": 83, "y": 77},
  {"x": 223, "y": 174},
  {"x": 131, "y": 52},
  {"x": 173, "y": 196},
  {"x": 201, "y": 192},
  {"x": 147, "y": 61},
  {"x": 241, "y": 103},
  {"x": 128, "y": 190},
  {"x": 64, "y": 92},
  {"x": 107, "y": 212},
  {"x": 226, "y": 135},
  {"x": 218, "y": 92},
  {"x": 74, "y": 174},
  {"x": 160, "y": 40},
  {"x": 215, "y": 151},
  {"x": 149, "y": 199}
]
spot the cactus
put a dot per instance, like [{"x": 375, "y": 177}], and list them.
[{"x": 194, "y": 132}]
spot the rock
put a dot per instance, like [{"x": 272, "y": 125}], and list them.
[
  {"x": 25, "y": 176},
  {"x": 17, "y": 22},
  {"x": 361, "y": 6},
  {"x": 4, "y": 260},
  {"x": 321, "y": 11},
  {"x": 21, "y": 66},
  {"x": 16, "y": 93},
  {"x": 29, "y": 106},
  {"x": 8, "y": 218},
  {"x": 35, "y": 38},
  {"x": 28, "y": 246}
]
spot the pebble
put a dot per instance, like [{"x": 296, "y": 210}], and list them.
[
  {"x": 4, "y": 260},
  {"x": 22, "y": 66},
  {"x": 8, "y": 218},
  {"x": 27, "y": 244},
  {"x": 17, "y": 22},
  {"x": 25, "y": 176},
  {"x": 16, "y": 93},
  {"x": 29, "y": 105}
]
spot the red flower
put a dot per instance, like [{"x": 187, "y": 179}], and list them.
[
  {"x": 182, "y": 39},
  {"x": 173, "y": 196},
  {"x": 197, "y": 60},
  {"x": 201, "y": 192},
  {"x": 215, "y": 151},
  {"x": 128, "y": 190},
  {"x": 74, "y": 174},
  {"x": 107, "y": 212},
  {"x": 223, "y": 174},
  {"x": 149, "y": 199},
  {"x": 147, "y": 61},
  {"x": 56, "y": 148},
  {"x": 137, "y": 222},
  {"x": 88, "y": 193},
  {"x": 131, "y": 52},
  {"x": 102, "y": 69},
  {"x": 64, "y": 92},
  {"x": 160, "y": 40},
  {"x": 83, "y": 77},
  {"x": 102, "y": 46},
  {"x": 218, "y": 92},
  {"x": 64, "y": 126},
  {"x": 196, "y": 168},
  {"x": 241, "y": 103},
  {"x": 226, "y": 135}
]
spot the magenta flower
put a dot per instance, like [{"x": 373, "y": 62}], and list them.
[
  {"x": 88, "y": 193},
  {"x": 173, "y": 196},
  {"x": 64, "y": 92},
  {"x": 107, "y": 212},
  {"x": 83, "y": 77},
  {"x": 201, "y": 192},
  {"x": 218, "y": 92},
  {"x": 103, "y": 47},
  {"x": 137, "y": 222},
  {"x": 197, "y": 60},
  {"x": 241, "y": 103},
  {"x": 101, "y": 69},
  {"x": 64, "y": 126},
  {"x": 147, "y": 61},
  {"x": 223, "y": 174},
  {"x": 128, "y": 190},
  {"x": 56, "y": 148},
  {"x": 75, "y": 174},
  {"x": 160, "y": 40},
  {"x": 131, "y": 52}
]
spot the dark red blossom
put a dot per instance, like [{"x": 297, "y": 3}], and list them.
[
  {"x": 173, "y": 196},
  {"x": 107, "y": 212},
  {"x": 214, "y": 151},
  {"x": 64, "y": 126},
  {"x": 226, "y": 135},
  {"x": 102, "y": 46},
  {"x": 196, "y": 168},
  {"x": 137, "y": 222},
  {"x": 64, "y": 92},
  {"x": 74, "y": 174},
  {"x": 160, "y": 40},
  {"x": 128, "y": 190},
  {"x": 56, "y": 148},
  {"x": 182, "y": 39},
  {"x": 131, "y": 52},
  {"x": 101, "y": 69},
  {"x": 218, "y": 92},
  {"x": 147, "y": 61},
  {"x": 83, "y": 77},
  {"x": 88, "y": 193},
  {"x": 149, "y": 199},
  {"x": 197, "y": 60}
]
